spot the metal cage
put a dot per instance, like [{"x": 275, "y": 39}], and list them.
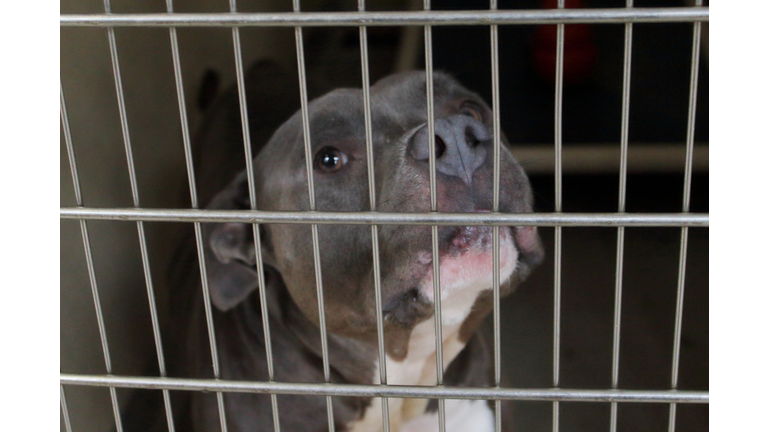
[{"x": 493, "y": 18}]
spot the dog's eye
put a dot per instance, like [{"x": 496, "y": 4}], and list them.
[
  {"x": 330, "y": 159},
  {"x": 472, "y": 110}
]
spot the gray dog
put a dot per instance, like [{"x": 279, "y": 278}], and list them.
[{"x": 464, "y": 154}]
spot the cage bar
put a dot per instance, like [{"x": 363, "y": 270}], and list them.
[
  {"x": 184, "y": 119},
  {"x": 64, "y": 409},
  {"x": 382, "y": 218},
  {"x": 398, "y": 391},
  {"x": 139, "y": 224},
  {"x": 198, "y": 235},
  {"x": 362, "y": 19},
  {"x": 374, "y": 229},
  {"x": 433, "y": 207},
  {"x": 496, "y": 106},
  {"x": 88, "y": 255},
  {"x": 311, "y": 187},
  {"x": 188, "y": 159},
  {"x": 241, "y": 92},
  {"x": 622, "y": 207},
  {"x": 558, "y": 209},
  {"x": 695, "y": 57},
  {"x": 401, "y": 18}
]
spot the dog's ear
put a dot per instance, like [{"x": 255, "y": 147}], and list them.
[{"x": 231, "y": 264}]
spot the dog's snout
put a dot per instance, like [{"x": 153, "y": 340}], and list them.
[{"x": 457, "y": 153}]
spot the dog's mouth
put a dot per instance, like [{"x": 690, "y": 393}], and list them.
[
  {"x": 466, "y": 264},
  {"x": 471, "y": 237}
]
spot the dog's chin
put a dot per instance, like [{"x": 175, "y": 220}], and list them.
[{"x": 466, "y": 266}]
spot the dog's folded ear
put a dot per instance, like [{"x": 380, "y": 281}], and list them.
[{"x": 231, "y": 264}]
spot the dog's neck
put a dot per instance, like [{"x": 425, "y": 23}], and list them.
[{"x": 350, "y": 360}]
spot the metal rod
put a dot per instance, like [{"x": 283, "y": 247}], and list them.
[
  {"x": 155, "y": 321},
  {"x": 420, "y": 392},
  {"x": 181, "y": 99},
  {"x": 374, "y": 228},
  {"x": 625, "y": 113},
  {"x": 206, "y": 293},
  {"x": 622, "y": 207},
  {"x": 400, "y": 18},
  {"x": 88, "y": 255},
  {"x": 496, "y": 186},
  {"x": 244, "y": 119},
  {"x": 209, "y": 321},
  {"x": 123, "y": 115},
  {"x": 64, "y": 409},
  {"x": 186, "y": 139},
  {"x": 188, "y": 158},
  {"x": 380, "y": 218},
  {"x": 99, "y": 318},
  {"x": 312, "y": 208},
  {"x": 204, "y": 280},
  {"x": 695, "y": 56},
  {"x": 70, "y": 147},
  {"x": 438, "y": 317},
  {"x": 691, "y": 114},
  {"x": 139, "y": 224},
  {"x": 558, "y": 208}
]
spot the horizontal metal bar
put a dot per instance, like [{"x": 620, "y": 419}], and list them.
[
  {"x": 326, "y": 389},
  {"x": 606, "y": 158},
  {"x": 379, "y": 218},
  {"x": 401, "y": 18}
]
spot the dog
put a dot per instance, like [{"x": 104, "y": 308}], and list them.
[{"x": 464, "y": 179}]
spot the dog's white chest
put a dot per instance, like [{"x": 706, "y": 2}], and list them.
[
  {"x": 462, "y": 280},
  {"x": 460, "y": 415},
  {"x": 419, "y": 368}
]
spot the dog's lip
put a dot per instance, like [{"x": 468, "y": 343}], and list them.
[
  {"x": 463, "y": 238},
  {"x": 471, "y": 237},
  {"x": 455, "y": 245}
]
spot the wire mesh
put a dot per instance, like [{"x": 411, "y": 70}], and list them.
[{"x": 362, "y": 19}]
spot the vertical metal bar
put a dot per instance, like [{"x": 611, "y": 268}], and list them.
[
  {"x": 139, "y": 224},
  {"x": 433, "y": 207},
  {"x": 209, "y": 321},
  {"x": 374, "y": 228},
  {"x": 558, "y": 208},
  {"x": 64, "y": 409},
  {"x": 198, "y": 230},
  {"x": 312, "y": 207},
  {"x": 622, "y": 209},
  {"x": 252, "y": 195},
  {"x": 70, "y": 148},
  {"x": 155, "y": 322},
  {"x": 89, "y": 258},
  {"x": 496, "y": 180},
  {"x": 695, "y": 56}
]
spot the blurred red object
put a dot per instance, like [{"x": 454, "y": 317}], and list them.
[{"x": 579, "y": 51}]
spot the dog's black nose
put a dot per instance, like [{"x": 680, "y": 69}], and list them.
[{"x": 456, "y": 146}]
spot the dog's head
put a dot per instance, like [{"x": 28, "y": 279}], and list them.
[{"x": 464, "y": 184}]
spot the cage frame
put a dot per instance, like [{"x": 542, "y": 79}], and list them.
[{"x": 493, "y": 17}]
